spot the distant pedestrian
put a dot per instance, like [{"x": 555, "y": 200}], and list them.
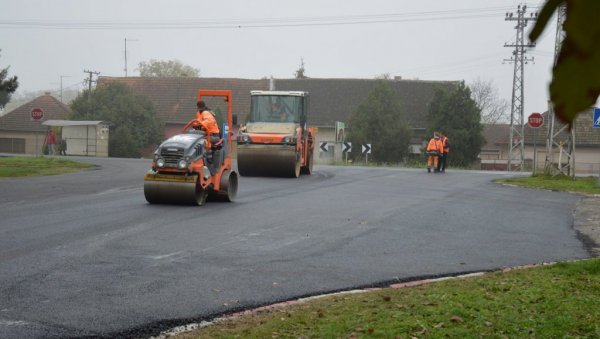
[
  {"x": 434, "y": 149},
  {"x": 444, "y": 155},
  {"x": 62, "y": 147},
  {"x": 51, "y": 141}
]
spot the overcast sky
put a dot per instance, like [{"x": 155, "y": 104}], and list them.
[{"x": 426, "y": 39}]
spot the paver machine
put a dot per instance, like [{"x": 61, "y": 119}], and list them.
[
  {"x": 185, "y": 172},
  {"x": 276, "y": 140}
]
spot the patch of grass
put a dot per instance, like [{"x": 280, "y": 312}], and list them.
[
  {"x": 559, "y": 183},
  {"x": 34, "y": 166},
  {"x": 554, "y": 301}
]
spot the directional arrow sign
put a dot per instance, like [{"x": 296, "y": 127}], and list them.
[
  {"x": 347, "y": 147},
  {"x": 366, "y": 148},
  {"x": 323, "y": 147},
  {"x": 596, "y": 118}
]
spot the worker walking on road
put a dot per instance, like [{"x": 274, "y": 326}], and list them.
[
  {"x": 444, "y": 155},
  {"x": 434, "y": 149}
]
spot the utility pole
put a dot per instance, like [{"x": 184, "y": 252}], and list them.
[
  {"x": 516, "y": 150},
  {"x": 126, "y": 55},
  {"x": 61, "y": 86},
  {"x": 90, "y": 81},
  {"x": 565, "y": 147}
]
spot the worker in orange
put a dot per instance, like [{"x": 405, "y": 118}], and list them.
[
  {"x": 444, "y": 155},
  {"x": 434, "y": 149},
  {"x": 207, "y": 121}
]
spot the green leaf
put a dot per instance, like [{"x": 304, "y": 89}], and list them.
[{"x": 543, "y": 18}]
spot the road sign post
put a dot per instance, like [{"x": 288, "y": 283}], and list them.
[
  {"x": 366, "y": 150},
  {"x": 37, "y": 114},
  {"x": 596, "y": 124},
  {"x": 535, "y": 120},
  {"x": 346, "y": 148}
]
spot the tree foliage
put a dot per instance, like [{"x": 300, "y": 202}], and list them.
[
  {"x": 454, "y": 112},
  {"x": 7, "y": 86},
  {"x": 169, "y": 68},
  {"x": 380, "y": 121},
  {"x": 300, "y": 72},
  {"x": 493, "y": 108},
  {"x": 575, "y": 82},
  {"x": 134, "y": 124}
]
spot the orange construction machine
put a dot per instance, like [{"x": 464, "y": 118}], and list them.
[
  {"x": 184, "y": 171},
  {"x": 276, "y": 140}
]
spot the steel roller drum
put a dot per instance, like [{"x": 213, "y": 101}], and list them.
[
  {"x": 173, "y": 189},
  {"x": 267, "y": 160}
]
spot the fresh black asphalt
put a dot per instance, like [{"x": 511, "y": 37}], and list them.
[{"x": 83, "y": 254}]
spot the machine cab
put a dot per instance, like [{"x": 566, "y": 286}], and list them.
[{"x": 278, "y": 107}]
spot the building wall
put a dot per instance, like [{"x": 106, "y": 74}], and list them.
[
  {"x": 30, "y": 140},
  {"x": 86, "y": 140}
]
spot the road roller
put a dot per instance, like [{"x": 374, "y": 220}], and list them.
[
  {"x": 185, "y": 172},
  {"x": 275, "y": 139}
]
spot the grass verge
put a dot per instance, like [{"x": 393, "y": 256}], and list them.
[
  {"x": 11, "y": 167},
  {"x": 587, "y": 185},
  {"x": 555, "y": 301}
]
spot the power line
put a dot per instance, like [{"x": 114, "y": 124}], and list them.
[{"x": 454, "y": 14}]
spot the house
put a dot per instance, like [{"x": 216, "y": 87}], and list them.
[
  {"x": 21, "y": 134},
  {"x": 331, "y": 100},
  {"x": 494, "y": 154}
]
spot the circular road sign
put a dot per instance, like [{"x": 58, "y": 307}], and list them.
[
  {"x": 535, "y": 120},
  {"x": 37, "y": 114}
]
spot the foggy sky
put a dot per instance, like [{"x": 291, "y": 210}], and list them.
[{"x": 427, "y": 39}]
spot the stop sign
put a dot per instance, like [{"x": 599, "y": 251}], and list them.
[
  {"x": 37, "y": 114},
  {"x": 535, "y": 120}
]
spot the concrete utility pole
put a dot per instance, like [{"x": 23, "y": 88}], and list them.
[
  {"x": 566, "y": 146},
  {"x": 516, "y": 151},
  {"x": 61, "y": 87},
  {"x": 126, "y": 54},
  {"x": 90, "y": 81}
]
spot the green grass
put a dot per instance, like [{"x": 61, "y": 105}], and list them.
[
  {"x": 587, "y": 185},
  {"x": 34, "y": 166},
  {"x": 557, "y": 301}
]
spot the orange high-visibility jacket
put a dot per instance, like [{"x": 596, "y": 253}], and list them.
[
  {"x": 209, "y": 122},
  {"x": 446, "y": 144},
  {"x": 435, "y": 145}
]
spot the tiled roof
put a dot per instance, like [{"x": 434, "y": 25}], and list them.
[
  {"x": 335, "y": 99},
  {"x": 19, "y": 119},
  {"x": 175, "y": 98},
  {"x": 495, "y": 135},
  {"x": 585, "y": 133},
  {"x": 330, "y": 99}
]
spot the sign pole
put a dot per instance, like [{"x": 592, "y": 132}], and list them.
[{"x": 534, "y": 152}]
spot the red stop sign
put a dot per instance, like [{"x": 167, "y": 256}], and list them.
[
  {"x": 37, "y": 114},
  {"x": 535, "y": 120}
]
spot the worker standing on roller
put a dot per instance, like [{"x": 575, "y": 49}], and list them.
[
  {"x": 434, "y": 149},
  {"x": 208, "y": 122}
]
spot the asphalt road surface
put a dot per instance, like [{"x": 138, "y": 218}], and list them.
[{"x": 83, "y": 254}]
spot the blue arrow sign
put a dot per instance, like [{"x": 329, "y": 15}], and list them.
[{"x": 596, "y": 117}]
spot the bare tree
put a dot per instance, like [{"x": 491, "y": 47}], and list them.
[
  {"x": 300, "y": 72},
  {"x": 494, "y": 109}
]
